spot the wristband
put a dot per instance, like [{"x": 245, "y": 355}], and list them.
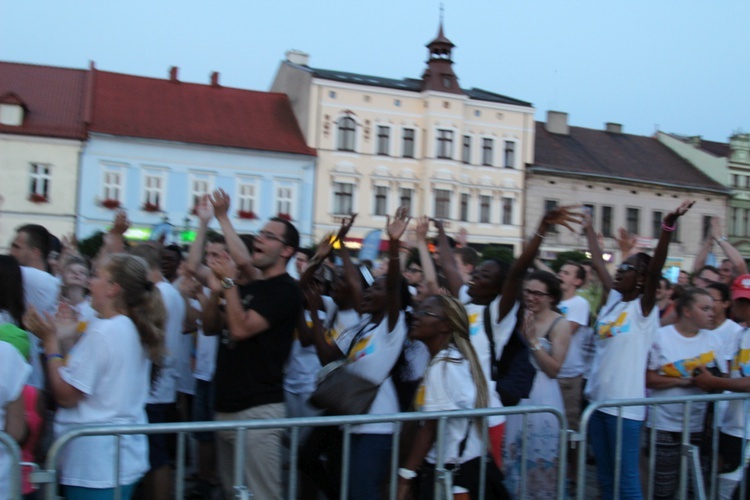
[
  {"x": 406, "y": 474},
  {"x": 536, "y": 347},
  {"x": 47, "y": 357},
  {"x": 540, "y": 235},
  {"x": 668, "y": 229}
]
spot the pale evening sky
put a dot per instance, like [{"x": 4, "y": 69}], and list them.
[{"x": 681, "y": 66}]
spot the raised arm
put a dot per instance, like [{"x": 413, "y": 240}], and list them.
[
  {"x": 597, "y": 260},
  {"x": 738, "y": 263},
  {"x": 648, "y": 298},
  {"x": 700, "y": 259},
  {"x": 395, "y": 228},
  {"x": 237, "y": 249},
  {"x": 195, "y": 266},
  {"x": 447, "y": 261},
  {"x": 428, "y": 267},
  {"x": 114, "y": 239},
  {"x": 350, "y": 270},
  {"x": 512, "y": 286}
]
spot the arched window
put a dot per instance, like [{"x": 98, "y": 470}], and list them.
[{"x": 347, "y": 131}]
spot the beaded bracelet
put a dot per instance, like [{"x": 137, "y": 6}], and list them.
[
  {"x": 667, "y": 228},
  {"x": 47, "y": 357}
]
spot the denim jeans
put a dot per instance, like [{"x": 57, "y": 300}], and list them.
[
  {"x": 603, "y": 439},
  {"x": 368, "y": 465}
]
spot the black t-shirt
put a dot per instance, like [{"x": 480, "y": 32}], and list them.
[{"x": 250, "y": 372}]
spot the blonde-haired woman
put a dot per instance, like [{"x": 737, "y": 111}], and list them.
[
  {"x": 453, "y": 381},
  {"x": 106, "y": 377}
]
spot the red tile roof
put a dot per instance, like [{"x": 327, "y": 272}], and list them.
[
  {"x": 616, "y": 156},
  {"x": 53, "y": 99},
  {"x": 136, "y": 106}
]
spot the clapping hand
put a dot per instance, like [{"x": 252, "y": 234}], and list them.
[{"x": 396, "y": 226}]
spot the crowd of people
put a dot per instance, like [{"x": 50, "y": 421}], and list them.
[{"x": 143, "y": 333}]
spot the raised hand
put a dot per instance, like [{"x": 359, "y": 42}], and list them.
[
  {"x": 715, "y": 228},
  {"x": 220, "y": 201},
  {"x": 564, "y": 216},
  {"x": 626, "y": 241},
  {"x": 121, "y": 223},
  {"x": 223, "y": 266},
  {"x": 421, "y": 228},
  {"x": 325, "y": 247},
  {"x": 204, "y": 209},
  {"x": 346, "y": 225},
  {"x": 395, "y": 227}
]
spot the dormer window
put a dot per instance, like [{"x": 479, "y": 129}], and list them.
[{"x": 11, "y": 114}]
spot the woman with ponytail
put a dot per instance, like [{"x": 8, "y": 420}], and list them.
[
  {"x": 453, "y": 381},
  {"x": 106, "y": 377}
]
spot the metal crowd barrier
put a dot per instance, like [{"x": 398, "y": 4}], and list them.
[
  {"x": 689, "y": 461},
  {"x": 49, "y": 475}
]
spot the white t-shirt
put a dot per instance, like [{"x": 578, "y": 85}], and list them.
[
  {"x": 501, "y": 332},
  {"x": 576, "y": 310},
  {"x": 165, "y": 386},
  {"x": 729, "y": 333},
  {"x": 205, "y": 350},
  {"x": 40, "y": 289},
  {"x": 733, "y": 423},
  {"x": 373, "y": 357},
  {"x": 110, "y": 366},
  {"x": 674, "y": 355},
  {"x": 14, "y": 372},
  {"x": 448, "y": 385},
  {"x": 623, "y": 338},
  {"x": 303, "y": 365}
]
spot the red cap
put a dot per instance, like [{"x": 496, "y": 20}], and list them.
[{"x": 741, "y": 287}]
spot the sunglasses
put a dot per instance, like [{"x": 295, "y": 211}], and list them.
[{"x": 625, "y": 267}]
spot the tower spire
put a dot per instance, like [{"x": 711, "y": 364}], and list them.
[{"x": 439, "y": 74}]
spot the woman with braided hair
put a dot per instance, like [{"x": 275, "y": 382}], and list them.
[
  {"x": 106, "y": 377},
  {"x": 453, "y": 381}
]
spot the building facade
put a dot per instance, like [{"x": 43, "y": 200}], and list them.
[
  {"x": 729, "y": 165},
  {"x": 444, "y": 151},
  {"x": 41, "y": 135},
  {"x": 625, "y": 181}
]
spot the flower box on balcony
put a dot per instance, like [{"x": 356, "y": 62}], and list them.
[
  {"x": 110, "y": 204},
  {"x": 38, "y": 198},
  {"x": 285, "y": 217},
  {"x": 150, "y": 207},
  {"x": 246, "y": 214}
]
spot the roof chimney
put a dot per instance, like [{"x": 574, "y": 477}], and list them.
[
  {"x": 173, "y": 74},
  {"x": 695, "y": 141},
  {"x": 613, "y": 128},
  {"x": 215, "y": 79},
  {"x": 298, "y": 57},
  {"x": 557, "y": 122}
]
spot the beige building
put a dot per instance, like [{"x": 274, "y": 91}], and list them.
[
  {"x": 625, "y": 181},
  {"x": 729, "y": 165},
  {"x": 448, "y": 152},
  {"x": 41, "y": 134}
]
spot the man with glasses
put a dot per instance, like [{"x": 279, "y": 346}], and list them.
[
  {"x": 260, "y": 320},
  {"x": 706, "y": 276}
]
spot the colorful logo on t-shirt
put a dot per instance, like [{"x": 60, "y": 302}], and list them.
[
  {"x": 618, "y": 327},
  {"x": 563, "y": 310},
  {"x": 684, "y": 367},
  {"x": 741, "y": 362},
  {"x": 419, "y": 397},
  {"x": 362, "y": 348},
  {"x": 473, "y": 323}
]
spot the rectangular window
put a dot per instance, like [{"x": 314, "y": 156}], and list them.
[
  {"x": 464, "y": 216},
  {"x": 384, "y": 138},
  {"x": 706, "y": 226},
  {"x": 485, "y": 203},
  {"x": 406, "y": 199},
  {"x": 746, "y": 222},
  {"x": 509, "y": 155},
  {"x": 734, "y": 229},
  {"x": 487, "y": 146},
  {"x": 466, "y": 150},
  {"x": 40, "y": 180},
  {"x": 408, "y": 145},
  {"x": 343, "y": 193},
  {"x": 549, "y": 205},
  {"x": 656, "y": 223},
  {"x": 153, "y": 191},
  {"x": 507, "y": 211},
  {"x": 346, "y": 134},
  {"x": 246, "y": 199},
  {"x": 381, "y": 200},
  {"x": 632, "y": 219},
  {"x": 442, "y": 204},
  {"x": 735, "y": 180},
  {"x": 607, "y": 215},
  {"x": 198, "y": 188},
  {"x": 284, "y": 202},
  {"x": 112, "y": 186},
  {"x": 445, "y": 144},
  {"x": 591, "y": 209}
]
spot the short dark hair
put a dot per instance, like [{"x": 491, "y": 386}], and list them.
[
  {"x": 580, "y": 270},
  {"x": 307, "y": 251},
  {"x": 688, "y": 298},
  {"x": 37, "y": 237},
  {"x": 214, "y": 237},
  {"x": 176, "y": 249},
  {"x": 713, "y": 269},
  {"x": 552, "y": 282},
  {"x": 291, "y": 235}
]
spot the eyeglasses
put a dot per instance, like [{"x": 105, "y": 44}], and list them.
[
  {"x": 534, "y": 293},
  {"x": 268, "y": 235},
  {"x": 413, "y": 270},
  {"x": 625, "y": 267},
  {"x": 427, "y": 313}
]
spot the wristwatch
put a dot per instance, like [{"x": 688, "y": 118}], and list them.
[{"x": 227, "y": 283}]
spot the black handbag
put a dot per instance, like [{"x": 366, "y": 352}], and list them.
[{"x": 513, "y": 373}]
